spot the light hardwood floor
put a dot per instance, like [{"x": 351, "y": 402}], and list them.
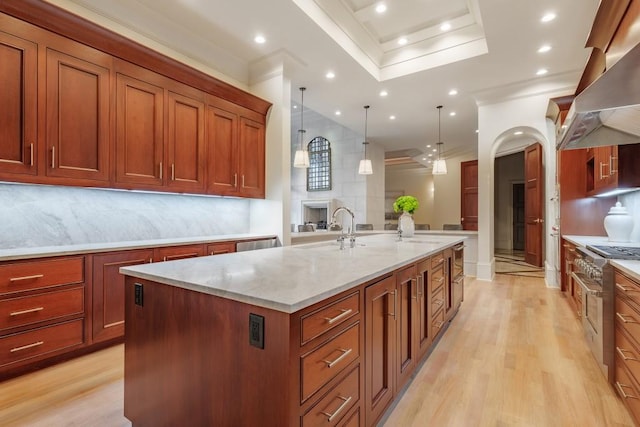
[{"x": 513, "y": 356}]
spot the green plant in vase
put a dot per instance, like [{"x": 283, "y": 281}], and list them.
[{"x": 407, "y": 204}]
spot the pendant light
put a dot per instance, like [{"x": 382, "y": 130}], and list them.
[
  {"x": 301, "y": 159},
  {"x": 365, "y": 167},
  {"x": 439, "y": 166}
]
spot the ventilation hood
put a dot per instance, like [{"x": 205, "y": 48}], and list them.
[{"x": 608, "y": 111}]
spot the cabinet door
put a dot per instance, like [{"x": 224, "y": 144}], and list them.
[
  {"x": 18, "y": 109},
  {"x": 139, "y": 132},
  {"x": 185, "y": 143},
  {"x": 406, "y": 323},
  {"x": 222, "y": 151},
  {"x": 108, "y": 291},
  {"x": 448, "y": 283},
  {"x": 380, "y": 347},
  {"x": 77, "y": 117},
  {"x": 171, "y": 253},
  {"x": 252, "y": 158},
  {"x": 423, "y": 328}
]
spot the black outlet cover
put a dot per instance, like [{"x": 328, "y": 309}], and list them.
[
  {"x": 256, "y": 330},
  {"x": 138, "y": 294}
]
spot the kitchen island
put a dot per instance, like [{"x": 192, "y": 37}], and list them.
[{"x": 304, "y": 335}]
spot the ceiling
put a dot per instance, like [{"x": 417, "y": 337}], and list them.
[{"x": 490, "y": 53}]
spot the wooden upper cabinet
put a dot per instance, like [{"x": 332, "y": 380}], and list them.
[
  {"x": 77, "y": 131},
  {"x": 18, "y": 109},
  {"x": 139, "y": 132},
  {"x": 252, "y": 158},
  {"x": 222, "y": 146},
  {"x": 469, "y": 195},
  {"x": 185, "y": 143}
]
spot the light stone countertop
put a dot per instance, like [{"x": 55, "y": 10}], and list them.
[
  {"x": 632, "y": 268},
  {"x": 291, "y": 278},
  {"x": 47, "y": 251}
]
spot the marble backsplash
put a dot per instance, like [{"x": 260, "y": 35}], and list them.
[
  {"x": 631, "y": 201},
  {"x": 41, "y": 215}
]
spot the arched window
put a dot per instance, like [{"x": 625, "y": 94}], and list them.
[{"x": 319, "y": 170}]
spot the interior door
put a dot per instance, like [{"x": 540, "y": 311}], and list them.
[
  {"x": 534, "y": 204},
  {"x": 469, "y": 195}
]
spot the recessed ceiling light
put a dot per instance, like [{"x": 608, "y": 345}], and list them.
[
  {"x": 453, "y": 92},
  {"x": 381, "y": 8},
  {"x": 434, "y": 150},
  {"x": 430, "y": 155},
  {"x": 542, "y": 71},
  {"x": 424, "y": 158},
  {"x": 518, "y": 132},
  {"x": 338, "y": 112},
  {"x": 544, "y": 48},
  {"x": 330, "y": 75},
  {"x": 453, "y": 113},
  {"x": 445, "y": 26},
  {"x": 392, "y": 117},
  {"x": 383, "y": 93},
  {"x": 428, "y": 145},
  {"x": 402, "y": 41},
  {"x": 477, "y": 130},
  {"x": 259, "y": 39},
  {"x": 295, "y": 107},
  {"x": 548, "y": 17}
]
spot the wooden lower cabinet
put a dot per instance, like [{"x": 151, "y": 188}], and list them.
[
  {"x": 42, "y": 311},
  {"x": 221, "y": 248},
  {"x": 170, "y": 253},
  {"x": 340, "y": 362},
  {"x": 108, "y": 291},
  {"x": 380, "y": 350},
  {"x": 627, "y": 342}
]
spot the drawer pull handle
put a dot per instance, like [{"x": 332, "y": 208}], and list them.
[
  {"x": 345, "y": 403},
  {"x": 35, "y": 276},
  {"x": 31, "y": 310},
  {"x": 439, "y": 324},
  {"x": 345, "y": 313},
  {"x": 25, "y": 347},
  {"x": 394, "y": 304},
  {"x": 625, "y": 395},
  {"x": 621, "y": 353},
  {"x": 623, "y": 317},
  {"x": 345, "y": 353},
  {"x": 624, "y": 288},
  {"x": 438, "y": 302}
]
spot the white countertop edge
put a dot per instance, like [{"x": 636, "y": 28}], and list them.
[
  {"x": 272, "y": 302},
  {"x": 597, "y": 240},
  {"x": 49, "y": 251},
  {"x": 631, "y": 268}
]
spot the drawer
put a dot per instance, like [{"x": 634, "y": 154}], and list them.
[
  {"x": 221, "y": 248},
  {"x": 437, "y": 260},
  {"x": 437, "y": 278},
  {"x": 327, "y": 361},
  {"x": 37, "y": 308},
  {"x": 437, "y": 323},
  {"x": 25, "y": 276},
  {"x": 627, "y": 389},
  {"x": 330, "y": 410},
  {"x": 628, "y": 288},
  {"x": 39, "y": 342},
  {"x": 437, "y": 299},
  {"x": 317, "y": 323},
  {"x": 627, "y": 318},
  {"x": 353, "y": 420},
  {"x": 627, "y": 353}
]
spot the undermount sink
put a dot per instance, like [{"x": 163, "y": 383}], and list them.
[{"x": 331, "y": 244}]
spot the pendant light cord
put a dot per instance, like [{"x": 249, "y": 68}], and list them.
[
  {"x": 302, "y": 131},
  {"x": 439, "y": 107},
  {"x": 366, "y": 115}
]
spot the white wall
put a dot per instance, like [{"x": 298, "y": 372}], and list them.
[
  {"x": 447, "y": 191},
  {"x": 360, "y": 193},
  {"x": 496, "y": 123},
  {"x": 417, "y": 182},
  {"x": 508, "y": 170}
]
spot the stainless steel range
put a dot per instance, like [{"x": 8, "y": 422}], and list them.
[{"x": 594, "y": 274}]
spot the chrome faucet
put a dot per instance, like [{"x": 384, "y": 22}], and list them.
[{"x": 351, "y": 235}]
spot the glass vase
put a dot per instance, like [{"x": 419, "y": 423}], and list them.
[{"x": 406, "y": 224}]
